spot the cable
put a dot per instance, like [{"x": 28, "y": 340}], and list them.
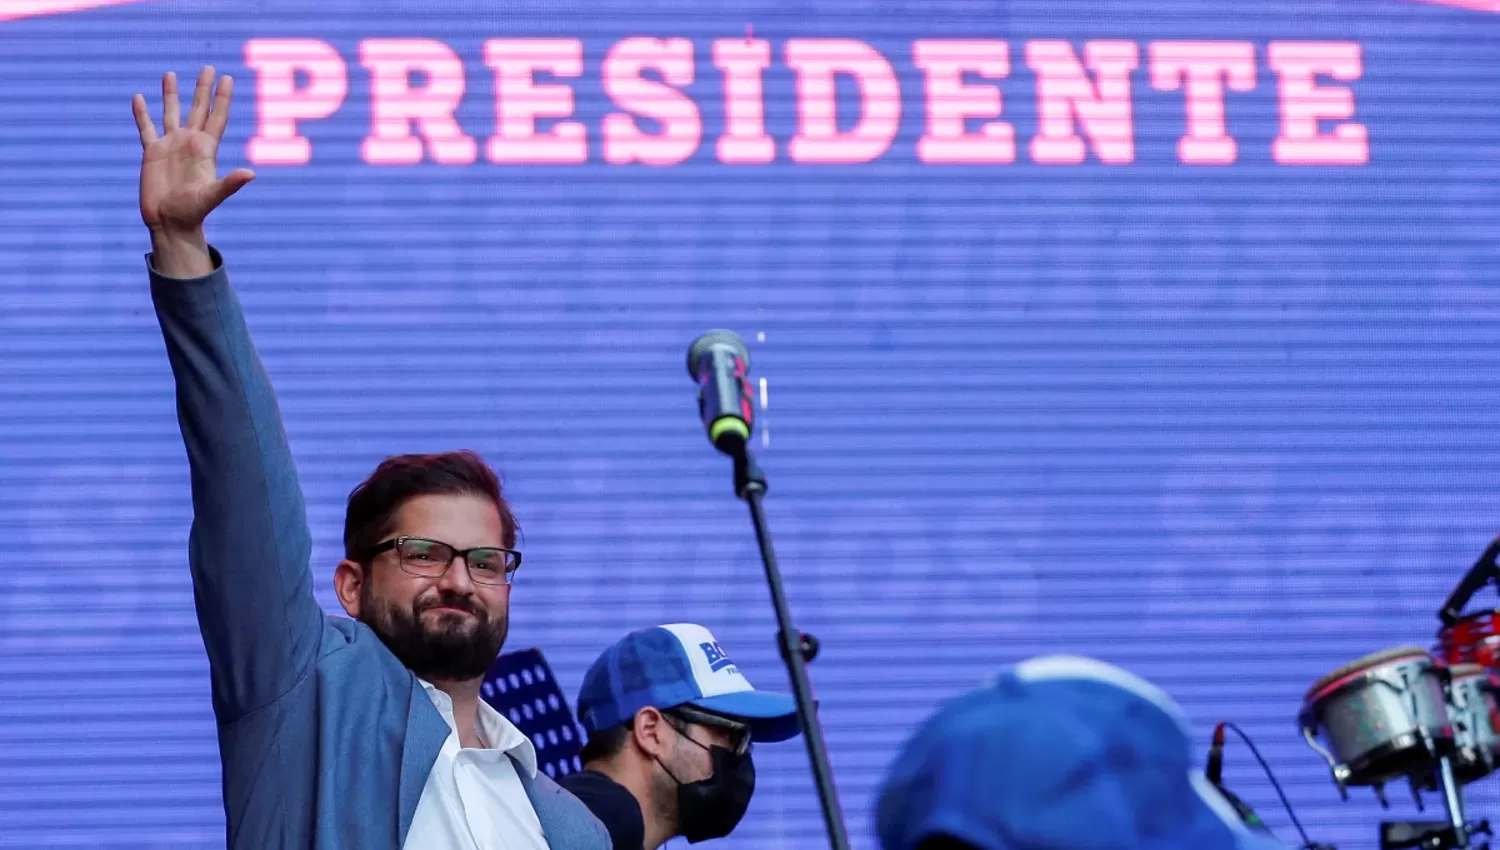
[{"x": 1274, "y": 784}]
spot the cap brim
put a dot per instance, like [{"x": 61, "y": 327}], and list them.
[{"x": 771, "y": 717}]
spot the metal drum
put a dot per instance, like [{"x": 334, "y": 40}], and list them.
[
  {"x": 1473, "y": 712},
  {"x": 1474, "y": 639},
  {"x": 1383, "y": 717}
]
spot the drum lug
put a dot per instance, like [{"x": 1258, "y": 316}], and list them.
[
  {"x": 1340, "y": 771},
  {"x": 1341, "y": 780}
]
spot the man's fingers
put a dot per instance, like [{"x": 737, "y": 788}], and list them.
[
  {"x": 171, "y": 111},
  {"x": 231, "y": 183},
  {"x": 143, "y": 120},
  {"x": 218, "y": 117},
  {"x": 198, "y": 114}
]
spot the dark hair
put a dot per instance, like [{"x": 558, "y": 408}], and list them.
[
  {"x": 606, "y": 743},
  {"x": 373, "y": 505}
]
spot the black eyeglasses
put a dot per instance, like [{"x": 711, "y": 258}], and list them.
[
  {"x": 739, "y": 733},
  {"x": 419, "y": 556}
]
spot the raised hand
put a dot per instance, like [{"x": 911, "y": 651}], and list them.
[{"x": 180, "y": 185}]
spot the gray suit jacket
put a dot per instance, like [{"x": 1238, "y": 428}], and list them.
[{"x": 326, "y": 739}]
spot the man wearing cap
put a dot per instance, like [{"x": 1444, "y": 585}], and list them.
[
  {"x": 670, "y": 720},
  {"x": 1062, "y": 753}
]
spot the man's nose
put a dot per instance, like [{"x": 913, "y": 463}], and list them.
[{"x": 457, "y": 579}]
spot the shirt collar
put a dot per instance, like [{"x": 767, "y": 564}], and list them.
[{"x": 499, "y": 733}]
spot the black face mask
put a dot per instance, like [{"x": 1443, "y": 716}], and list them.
[{"x": 711, "y": 808}]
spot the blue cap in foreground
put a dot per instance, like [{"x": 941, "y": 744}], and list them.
[{"x": 1062, "y": 752}]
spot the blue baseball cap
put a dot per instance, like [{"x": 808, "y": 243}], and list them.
[
  {"x": 678, "y": 664},
  {"x": 1063, "y": 753}
]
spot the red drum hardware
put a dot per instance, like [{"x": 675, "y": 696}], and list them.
[{"x": 1472, "y": 639}]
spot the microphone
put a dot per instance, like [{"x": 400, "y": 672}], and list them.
[
  {"x": 719, "y": 363},
  {"x": 1241, "y": 808},
  {"x": 1214, "y": 773},
  {"x": 1215, "y": 770}
]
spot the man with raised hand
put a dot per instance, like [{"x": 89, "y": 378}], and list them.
[{"x": 362, "y": 733}]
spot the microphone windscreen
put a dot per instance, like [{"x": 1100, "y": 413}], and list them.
[{"x": 706, "y": 343}]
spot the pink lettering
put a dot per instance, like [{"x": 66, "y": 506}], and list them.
[
  {"x": 1304, "y": 103},
  {"x": 1084, "y": 102},
  {"x": 744, "y": 140},
  {"x": 1204, "y": 66},
  {"x": 817, "y": 61},
  {"x": 279, "y": 104},
  {"x": 682, "y": 128},
  {"x": 520, "y": 101},
  {"x": 395, "y": 105},
  {"x": 951, "y": 102},
  {"x": 1065, "y": 95}
]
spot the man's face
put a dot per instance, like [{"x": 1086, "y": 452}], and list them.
[
  {"x": 688, "y": 750},
  {"x": 448, "y": 628},
  {"x": 685, "y": 753}
]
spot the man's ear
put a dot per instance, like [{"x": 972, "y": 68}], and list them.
[
  {"x": 647, "y": 729},
  {"x": 348, "y": 578}
]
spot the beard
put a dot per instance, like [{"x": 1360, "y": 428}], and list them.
[
  {"x": 453, "y": 648},
  {"x": 663, "y": 794}
]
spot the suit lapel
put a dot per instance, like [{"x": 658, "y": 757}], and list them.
[
  {"x": 543, "y": 807},
  {"x": 425, "y": 733},
  {"x": 567, "y": 824}
]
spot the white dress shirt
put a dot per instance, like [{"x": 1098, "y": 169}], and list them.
[{"x": 473, "y": 799}]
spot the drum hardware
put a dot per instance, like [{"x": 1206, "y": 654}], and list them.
[
  {"x": 1385, "y": 717},
  {"x": 1432, "y": 718},
  {"x": 1428, "y": 835},
  {"x": 1484, "y": 571},
  {"x": 1474, "y": 709},
  {"x": 1471, "y": 639}
]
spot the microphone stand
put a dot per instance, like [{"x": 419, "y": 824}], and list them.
[{"x": 750, "y": 485}]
